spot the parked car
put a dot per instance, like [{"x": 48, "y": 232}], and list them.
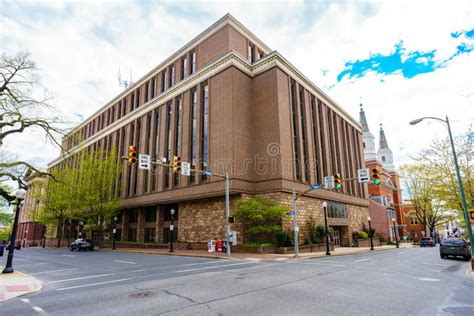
[
  {"x": 427, "y": 241},
  {"x": 2, "y": 249},
  {"x": 82, "y": 244},
  {"x": 455, "y": 247}
]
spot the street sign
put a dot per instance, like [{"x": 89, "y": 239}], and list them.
[
  {"x": 207, "y": 173},
  {"x": 297, "y": 229},
  {"x": 185, "y": 168},
  {"x": 363, "y": 175},
  {"x": 171, "y": 227},
  {"x": 144, "y": 162},
  {"x": 329, "y": 182},
  {"x": 315, "y": 187}
]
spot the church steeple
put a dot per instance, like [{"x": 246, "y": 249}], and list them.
[
  {"x": 384, "y": 153},
  {"x": 367, "y": 137}
]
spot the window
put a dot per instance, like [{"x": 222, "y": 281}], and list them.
[
  {"x": 178, "y": 126},
  {"x": 132, "y": 234},
  {"x": 132, "y": 216},
  {"x": 156, "y": 142},
  {"x": 251, "y": 53},
  {"x": 168, "y": 144},
  {"x": 414, "y": 219},
  {"x": 193, "y": 62},
  {"x": 304, "y": 136},
  {"x": 383, "y": 158},
  {"x": 150, "y": 214},
  {"x": 171, "y": 81},
  {"x": 146, "y": 91},
  {"x": 135, "y": 182},
  {"x": 118, "y": 234},
  {"x": 194, "y": 111},
  {"x": 163, "y": 81},
  {"x": 183, "y": 68},
  {"x": 132, "y": 104},
  {"x": 363, "y": 144},
  {"x": 137, "y": 100},
  {"x": 295, "y": 131},
  {"x": 205, "y": 131},
  {"x": 336, "y": 210},
  {"x": 149, "y": 235},
  {"x": 153, "y": 88}
]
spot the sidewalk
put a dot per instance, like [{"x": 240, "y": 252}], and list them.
[
  {"x": 16, "y": 284},
  {"x": 339, "y": 251}
]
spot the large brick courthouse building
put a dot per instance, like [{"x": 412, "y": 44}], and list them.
[{"x": 226, "y": 102}]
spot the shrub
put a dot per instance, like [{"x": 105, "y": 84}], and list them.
[
  {"x": 283, "y": 239},
  {"x": 316, "y": 240},
  {"x": 363, "y": 234},
  {"x": 374, "y": 233},
  {"x": 391, "y": 243},
  {"x": 261, "y": 219}
]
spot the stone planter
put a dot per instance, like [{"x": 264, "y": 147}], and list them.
[
  {"x": 253, "y": 249},
  {"x": 304, "y": 248},
  {"x": 366, "y": 242}
]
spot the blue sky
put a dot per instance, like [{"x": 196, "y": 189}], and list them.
[{"x": 404, "y": 63}]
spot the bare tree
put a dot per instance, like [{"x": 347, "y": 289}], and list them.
[{"x": 23, "y": 106}]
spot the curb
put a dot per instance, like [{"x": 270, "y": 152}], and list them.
[
  {"x": 37, "y": 283},
  {"x": 171, "y": 254},
  {"x": 351, "y": 253}
]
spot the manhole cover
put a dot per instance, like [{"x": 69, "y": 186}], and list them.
[{"x": 142, "y": 294}]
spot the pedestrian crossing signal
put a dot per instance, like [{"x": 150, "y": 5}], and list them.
[
  {"x": 376, "y": 176},
  {"x": 176, "y": 164},
  {"x": 132, "y": 155},
  {"x": 337, "y": 181}
]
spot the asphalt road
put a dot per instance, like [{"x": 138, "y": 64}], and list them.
[{"x": 414, "y": 281}]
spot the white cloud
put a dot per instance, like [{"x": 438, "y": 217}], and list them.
[{"x": 80, "y": 46}]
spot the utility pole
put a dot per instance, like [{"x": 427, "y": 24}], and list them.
[
  {"x": 295, "y": 224},
  {"x": 227, "y": 213}
]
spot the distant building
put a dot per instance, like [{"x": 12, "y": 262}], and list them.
[
  {"x": 30, "y": 232},
  {"x": 387, "y": 212}
]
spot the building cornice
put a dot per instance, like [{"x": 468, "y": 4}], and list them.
[
  {"x": 231, "y": 59},
  {"x": 211, "y": 30}
]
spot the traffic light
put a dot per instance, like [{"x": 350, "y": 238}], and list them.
[
  {"x": 337, "y": 181},
  {"x": 132, "y": 155},
  {"x": 176, "y": 164},
  {"x": 376, "y": 176}
]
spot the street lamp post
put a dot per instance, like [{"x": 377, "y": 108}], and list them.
[
  {"x": 458, "y": 174},
  {"x": 20, "y": 195},
  {"x": 395, "y": 232},
  {"x": 171, "y": 236},
  {"x": 370, "y": 234},
  {"x": 114, "y": 232},
  {"x": 325, "y": 205}
]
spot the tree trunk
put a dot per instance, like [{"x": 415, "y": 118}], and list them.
[
  {"x": 100, "y": 243},
  {"x": 60, "y": 237}
]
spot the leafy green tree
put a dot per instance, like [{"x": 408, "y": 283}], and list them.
[
  {"x": 98, "y": 174},
  {"x": 421, "y": 182},
  {"x": 439, "y": 158},
  {"x": 261, "y": 218},
  {"x": 58, "y": 199}
]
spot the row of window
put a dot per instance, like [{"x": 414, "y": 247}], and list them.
[
  {"x": 254, "y": 53},
  {"x": 147, "y": 91},
  {"x": 343, "y": 154},
  {"x": 336, "y": 210}
]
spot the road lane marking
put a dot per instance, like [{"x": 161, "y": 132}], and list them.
[
  {"x": 362, "y": 260},
  {"x": 205, "y": 268},
  {"x": 92, "y": 284},
  {"x": 252, "y": 259},
  {"x": 25, "y": 300},
  {"x": 177, "y": 266},
  {"x": 429, "y": 279},
  {"x": 321, "y": 264},
  {"x": 81, "y": 278},
  {"x": 38, "y": 309},
  {"x": 52, "y": 271},
  {"x": 436, "y": 264},
  {"x": 120, "y": 261}
]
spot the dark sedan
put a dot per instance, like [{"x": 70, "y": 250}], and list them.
[
  {"x": 455, "y": 247},
  {"x": 427, "y": 241},
  {"x": 82, "y": 244}
]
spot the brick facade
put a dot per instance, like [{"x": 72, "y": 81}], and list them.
[{"x": 266, "y": 125}]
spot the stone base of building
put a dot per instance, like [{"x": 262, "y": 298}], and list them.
[{"x": 366, "y": 242}]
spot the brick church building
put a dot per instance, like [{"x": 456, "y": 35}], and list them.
[{"x": 386, "y": 209}]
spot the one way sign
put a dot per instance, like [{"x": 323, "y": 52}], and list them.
[{"x": 363, "y": 175}]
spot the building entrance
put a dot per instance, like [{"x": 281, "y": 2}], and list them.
[{"x": 337, "y": 238}]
